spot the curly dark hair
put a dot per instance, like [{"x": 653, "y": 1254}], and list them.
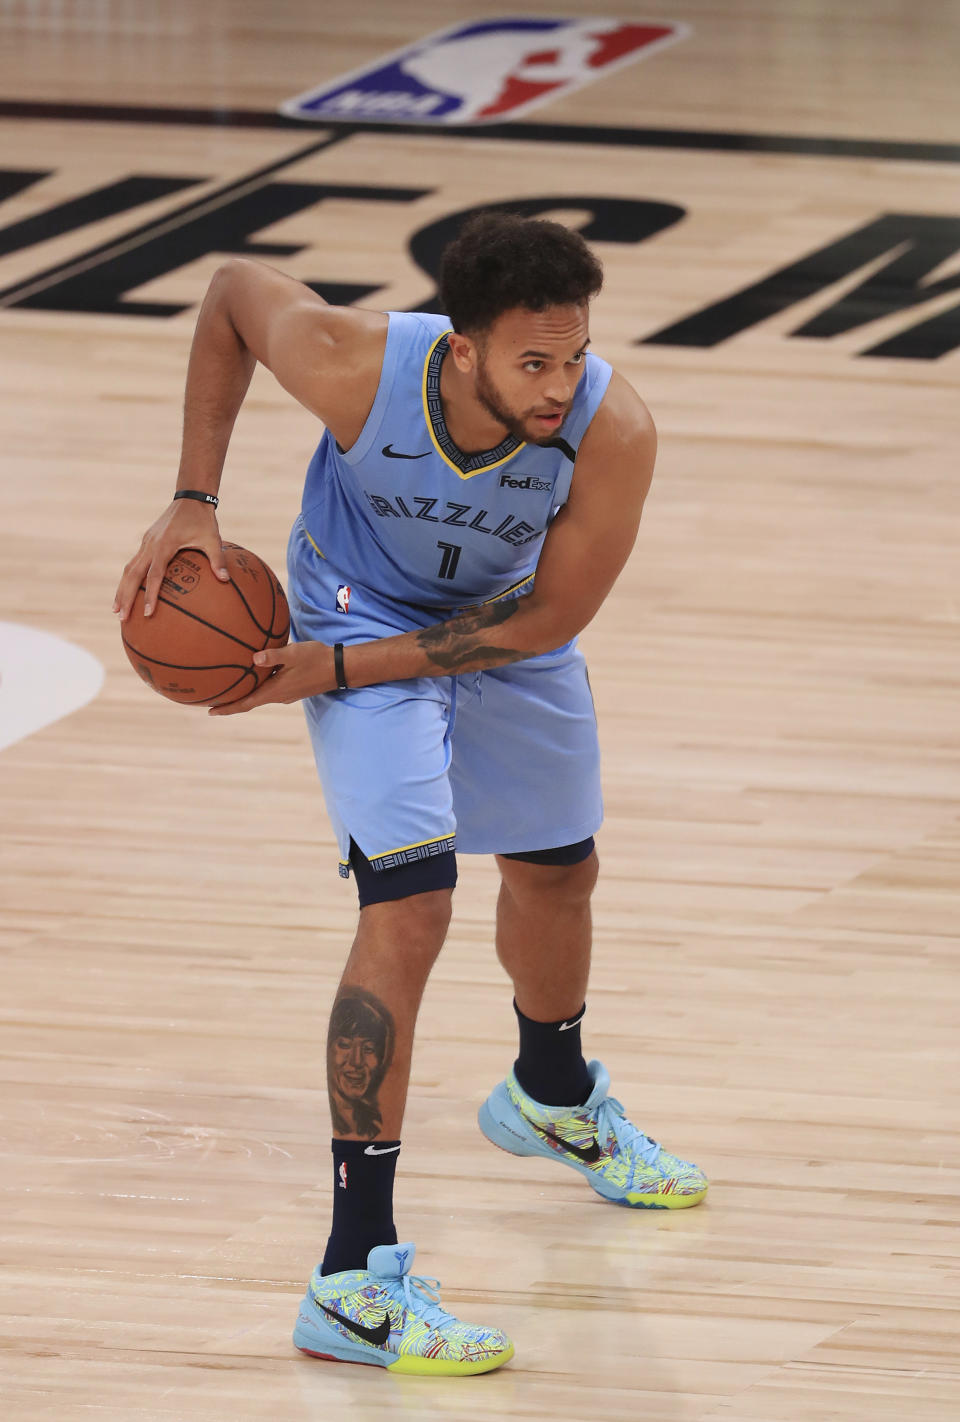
[{"x": 500, "y": 260}]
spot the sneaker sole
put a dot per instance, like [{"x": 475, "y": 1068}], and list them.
[
  {"x": 503, "y": 1127},
  {"x": 315, "y": 1337}
]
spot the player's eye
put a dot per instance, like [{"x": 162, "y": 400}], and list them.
[
  {"x": 533, "y": 366},
  {"x": 578, "y": 358}
]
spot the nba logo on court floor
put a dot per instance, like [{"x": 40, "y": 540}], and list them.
[{"x": 485, "y": 71}]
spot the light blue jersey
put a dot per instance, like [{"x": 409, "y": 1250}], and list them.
[
  {"x": 408, "y": 515},
  {"x": 397, "y": 534}
]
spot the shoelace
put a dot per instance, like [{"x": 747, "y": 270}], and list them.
[
  {"x": 612, "y": 1121},
  {"x": 422, "y": 1297}
]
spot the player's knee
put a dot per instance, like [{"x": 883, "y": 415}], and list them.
[
  {"x": 560, "y": 883},
  {"x": 405, "y": 910},
  {"x": 413, "y": 927}
]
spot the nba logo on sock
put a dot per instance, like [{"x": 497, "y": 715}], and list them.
[
  {"x": 485, "y": 71},
  {"x": 343, "y": 1175},
  {"x": 343, "y": 598}
]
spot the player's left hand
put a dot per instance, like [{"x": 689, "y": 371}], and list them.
[{"x": 300, "y": 669}]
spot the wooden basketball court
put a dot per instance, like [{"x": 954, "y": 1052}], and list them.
[{"x": 775, "y": 990}]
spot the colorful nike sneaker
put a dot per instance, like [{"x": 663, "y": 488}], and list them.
[
  {"x": 385, "y": 1316},
  {"x": 620, "y": 1162}
]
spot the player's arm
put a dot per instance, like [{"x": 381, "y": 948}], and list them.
[
  {"x": 582, "y": 556},
  {"x": 327, "y": 357}
]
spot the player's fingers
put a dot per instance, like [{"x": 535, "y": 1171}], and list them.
[
  {"x": 272, "y": 657},
  {"x": 127, "y": 587},
  {"x": 256, "y": 698},
  {"x": 151, "y": 583},
  {"x": 273, "y": 688},
  {"x": 214, "y": 551},
  {"x": 156, "y": 564}
]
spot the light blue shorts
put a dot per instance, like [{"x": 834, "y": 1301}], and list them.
[{"x": 497, "y": 762}]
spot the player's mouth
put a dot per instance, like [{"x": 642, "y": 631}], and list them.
[{"x": 551, "y": 421}]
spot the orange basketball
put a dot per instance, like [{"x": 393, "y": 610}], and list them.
[{"x": 197, "y": 646}]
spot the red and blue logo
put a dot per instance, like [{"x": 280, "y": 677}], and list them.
[{"x": 486, "y": 71}]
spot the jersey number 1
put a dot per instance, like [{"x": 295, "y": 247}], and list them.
[{"x": 450, "y": 559}]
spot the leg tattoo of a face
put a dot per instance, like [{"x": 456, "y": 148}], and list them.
[{"x": 359, "y": 1053}]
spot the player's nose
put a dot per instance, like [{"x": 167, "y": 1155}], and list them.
[{"x": 559, "y": 391}]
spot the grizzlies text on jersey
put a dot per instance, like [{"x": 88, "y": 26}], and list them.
[{"x": 407, "y": 514}]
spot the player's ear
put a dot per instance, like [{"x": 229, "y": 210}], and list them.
[{"x": 463, "y": 349}]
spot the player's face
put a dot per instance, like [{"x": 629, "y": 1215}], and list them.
[
  {"x": 528, "y": 367},
  {"x": 355, "y": 1059}
]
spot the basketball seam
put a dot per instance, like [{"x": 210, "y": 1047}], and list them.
[
  {"x": 203, "y": 700},
  {"x": 212, "y": 625},
  {"x": 189, "y": 548},
  {"x": 259, "y": 626},
  {"x": 268, "y": 631},
  {"x": 218, "y": 666},
  {"x": 273, "y": 594},
  {"x": 181, "y": 666}
]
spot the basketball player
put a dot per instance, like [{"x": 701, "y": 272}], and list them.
[{"x": 476, "y": 492}]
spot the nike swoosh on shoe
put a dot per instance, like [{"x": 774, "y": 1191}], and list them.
[
  {"x": 588, "y": 1154},
  {"x": 377, "y": 1335}
]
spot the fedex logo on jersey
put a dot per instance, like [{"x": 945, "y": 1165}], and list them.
[{"x": 485, "y": 71}]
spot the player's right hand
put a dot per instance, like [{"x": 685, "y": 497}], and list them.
[{"x": 186, "y": 523}]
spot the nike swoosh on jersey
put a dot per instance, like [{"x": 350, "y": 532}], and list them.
[
  {"x": 377, "y": 1335},
  {"x": 392, "y": 453}
]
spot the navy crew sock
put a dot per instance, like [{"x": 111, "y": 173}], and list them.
[
  {"x": 363, "y": 1174},
  {"x": 550, "y": 1067}
]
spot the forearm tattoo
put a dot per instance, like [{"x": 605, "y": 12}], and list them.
[
  {"x": 359, "y": 1052},
  {"x": 455, "y": 644}
]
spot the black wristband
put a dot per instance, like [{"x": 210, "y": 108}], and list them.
[
  {"x": 198, "y": 495},
  {"x": 338, "y": 670}
]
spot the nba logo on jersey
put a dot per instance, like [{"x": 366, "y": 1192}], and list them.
[
  {"x": 343, "y": 598},
  {"x": 485, "y": 71}
]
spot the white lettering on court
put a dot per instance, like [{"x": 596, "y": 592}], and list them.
[{"x": 390, "y": 101}]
